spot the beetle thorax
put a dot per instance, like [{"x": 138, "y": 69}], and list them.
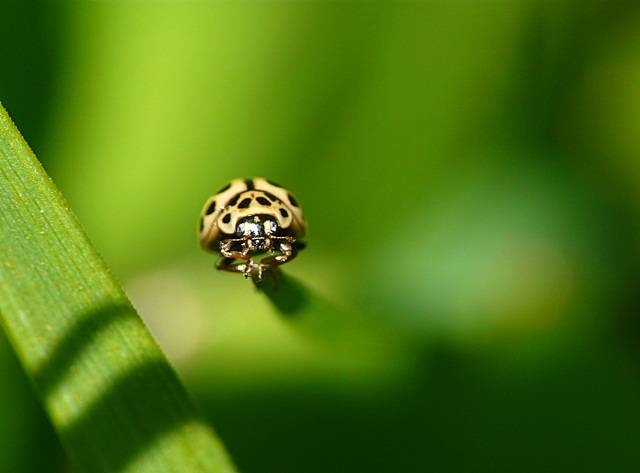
[{"x": 257, "y": 229}]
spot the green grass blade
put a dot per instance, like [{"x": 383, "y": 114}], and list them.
[{"x": 114, "y": 400}]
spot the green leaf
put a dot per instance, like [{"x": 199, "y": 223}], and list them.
[{"x": 113, "y": 398}]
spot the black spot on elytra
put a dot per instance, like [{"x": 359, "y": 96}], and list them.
[
  {"x": 293, "y": 200},
  {"x": 211, "y": 208},
  {"x": 201, "y": 224},
  {"x": 263, "y": 201},
  {"x": 249, "y": 184},
  {"x": 284, "y": 213},
  {"x": 245, "y": 203},
  {"x": 224, "y": 188},
  {"x": 233, "y": 201},
  {"x": 270, "y": 195},
  {"x": 273, "y": 183},
  {"x": 226, "y": 218}
]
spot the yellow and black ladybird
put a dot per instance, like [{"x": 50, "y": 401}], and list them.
[{"x": 252, "y": 217}]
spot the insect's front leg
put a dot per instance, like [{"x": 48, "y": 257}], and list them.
[
  {"x": 289, "y": 250},
  {"x": 230, "y": 255},
  {"x": 227, "y": 245},
  {"x": 226, "y": 264}
]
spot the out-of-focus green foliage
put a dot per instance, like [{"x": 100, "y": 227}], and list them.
[{"x": 469, "y": 171}]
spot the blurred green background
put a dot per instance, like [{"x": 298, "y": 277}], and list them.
[{"x": 470, "y": 172}]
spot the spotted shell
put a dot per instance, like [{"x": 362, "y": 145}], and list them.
[{"x": 244, "y": 197}]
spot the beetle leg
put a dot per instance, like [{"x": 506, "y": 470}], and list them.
[
  {"x": 272, "y": 270},
  {"x": 226, "y": 264},
  {"x": 287, "y": 246},
  {"x": 225, "y": 249},
  {"x": 288, "y": 250},
  {"x": 228, "y": 256}
]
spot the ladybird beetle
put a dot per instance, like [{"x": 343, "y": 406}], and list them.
[{"x": 249, "y": 218}]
